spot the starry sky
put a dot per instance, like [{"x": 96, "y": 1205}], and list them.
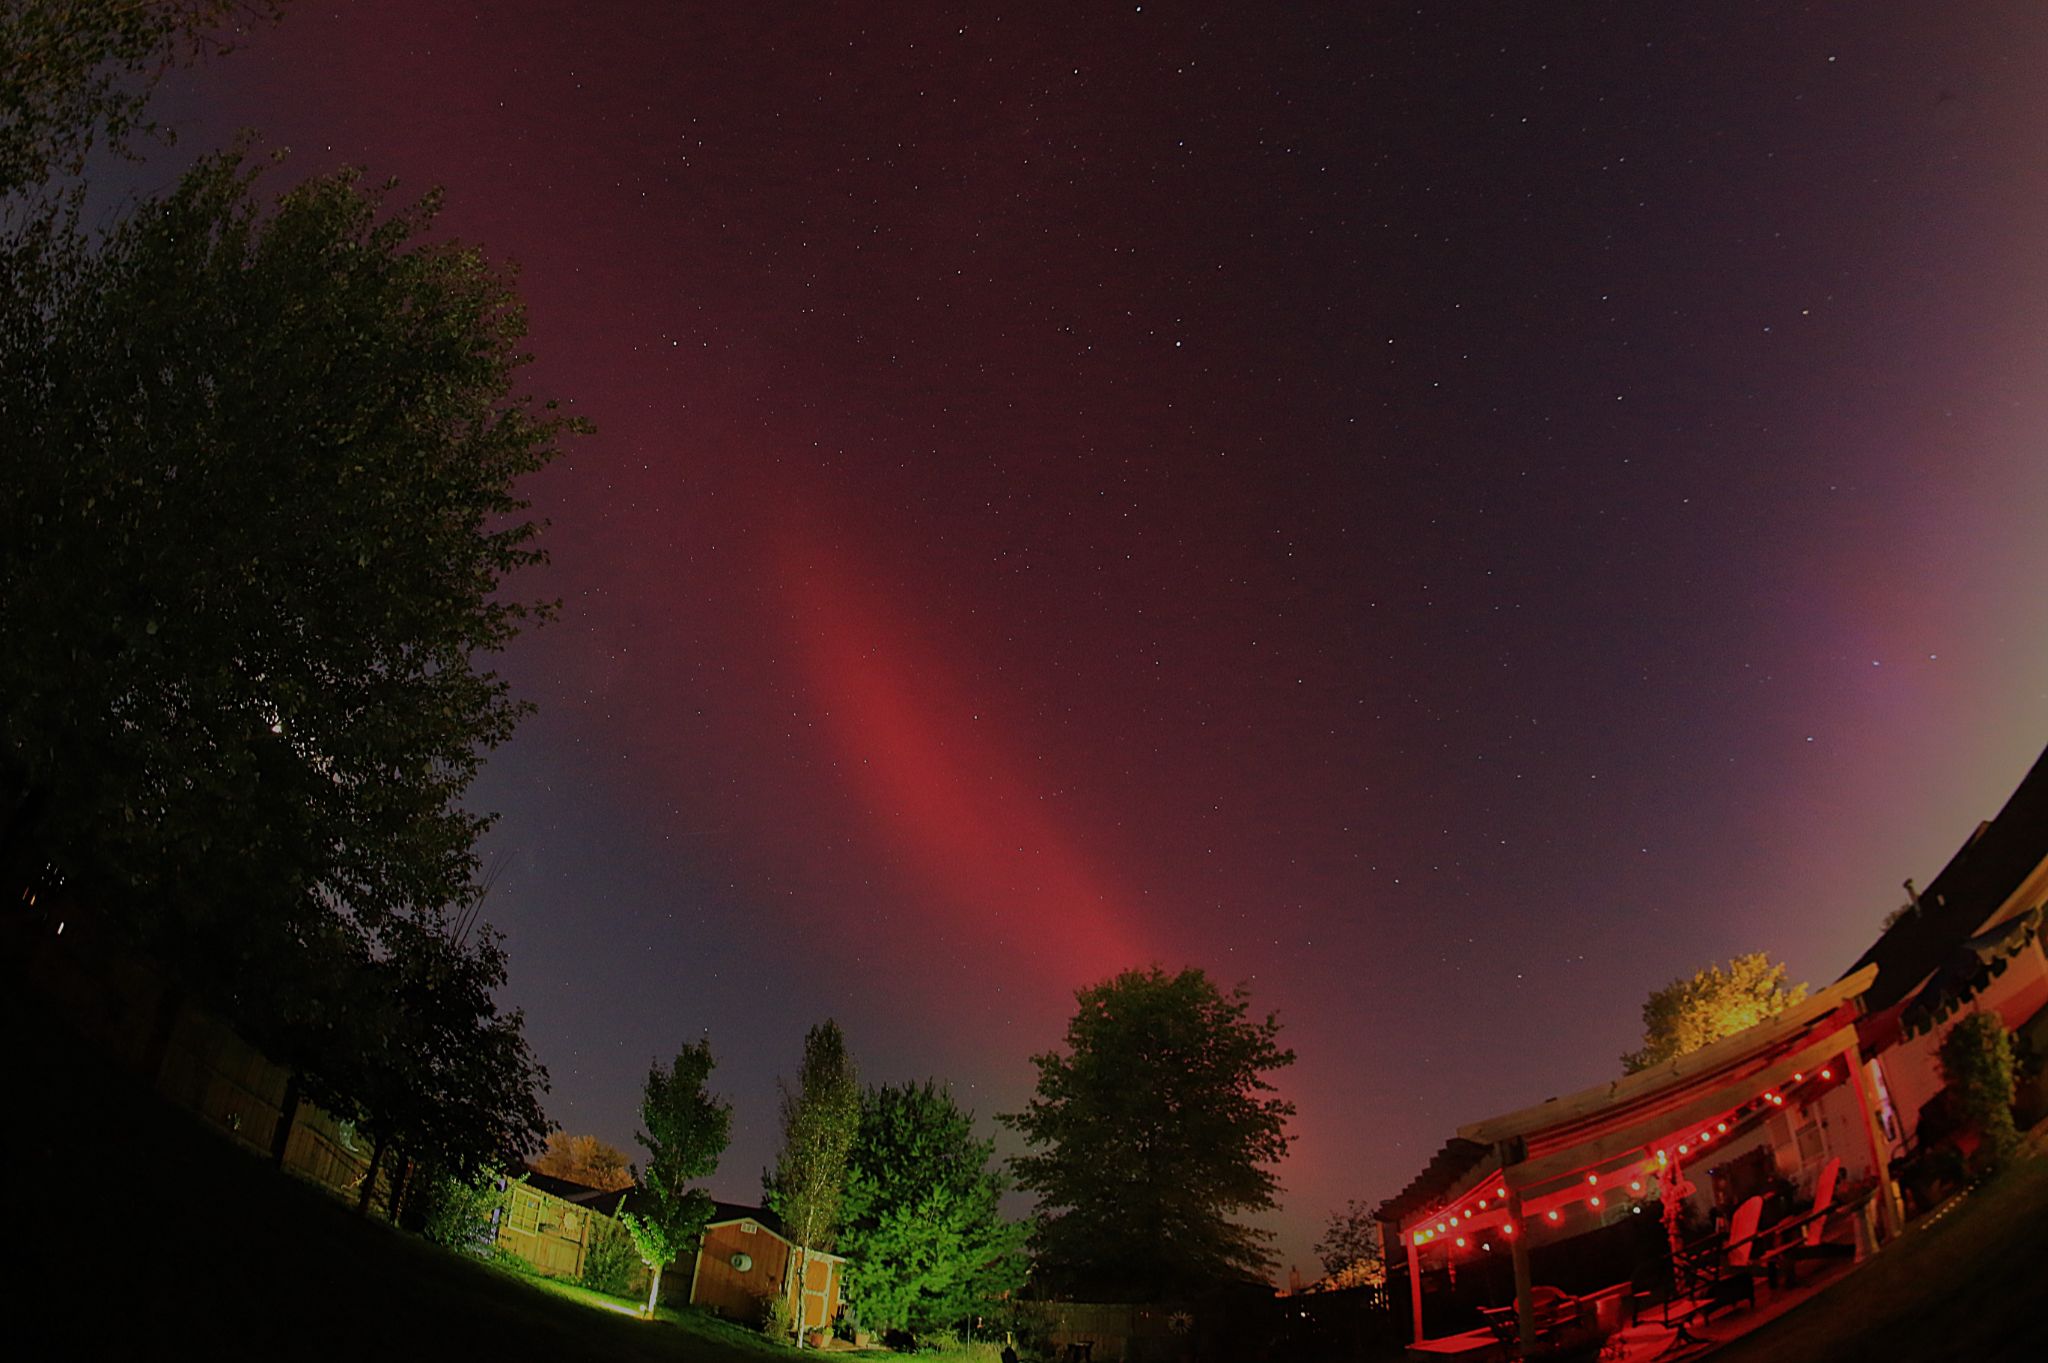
[{"x": 1450, "y": 515}]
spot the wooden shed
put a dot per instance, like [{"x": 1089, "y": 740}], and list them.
[{"x": 746, "y": 1259}]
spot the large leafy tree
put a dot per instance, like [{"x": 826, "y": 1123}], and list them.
[
  {"x": 422, "y": 1058},
  {"x": 921, "y": 1223},
  {"x": 585, "y": 1160},
  {"x": 820, "y": 1116},
  {"x": 256, "y": 516},
  {"x": 1151, "y": 1133},
  {"x": 1713, "y": 1003},
  {"x": 685, "y": 1128},
  {"x": 259, "y": 510}
]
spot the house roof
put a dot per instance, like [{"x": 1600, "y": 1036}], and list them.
[
  {"x": 1958, "y": 903},
  {"x": 725, "y": 1212},
  {"x": 1665, "y": 1093},
  {"x": 1968, "y": 971},
  {"x": 730, "y": 1213},
  {"x": 570, "y": 1191}
]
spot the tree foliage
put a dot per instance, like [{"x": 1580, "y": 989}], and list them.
[
  {"x": 1350, "y": 1249},
  {"x": 1714, "y": 1003},
  {"x": 426, "y": 1061},
  {"x": 1150, "y": 1134},
  {"x": 922, "y": 1226},
  {"x": 256, "y": 521},
  {"x": 685, "y": 1128},
  {"x": 585, "y": 1160},
  {"x": 76, "y": 75},
  {"x": 1977, "y": 1063},
  {"x": 820, "y": 1117},
  {"x": 252, "y": 546},
  {"x": 258, "y": 511}
]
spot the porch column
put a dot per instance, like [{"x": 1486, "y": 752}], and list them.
[
  {"x": 1525, "y": 1307},
  {"x": 1415, "y": 1282},
  {"x": 1887, "y": 1207}
]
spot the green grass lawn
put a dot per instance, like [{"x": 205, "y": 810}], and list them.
[
  {"x": 148, "y": 1236},
  {"x": 1972, "y": 1285}
]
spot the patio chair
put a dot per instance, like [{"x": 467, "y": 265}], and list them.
[
  {"x": 1714, "y": 1276},
  {"x": 1806, "y": 1242}
]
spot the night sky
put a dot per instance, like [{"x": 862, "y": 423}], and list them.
[{"x": 1450, "y": 515}]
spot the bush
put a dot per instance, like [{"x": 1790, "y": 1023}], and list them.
[
  {"x": 1976, "y": 1059},
  {"x": 609, "y": 1262},
  {"x": 464, "y": 1216},
  {"x": 776, "y": 1321}
]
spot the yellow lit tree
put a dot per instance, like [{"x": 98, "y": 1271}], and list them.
[
  {"x": 585, "y": 1160},
  {"x": 1688, "y": 1014}
]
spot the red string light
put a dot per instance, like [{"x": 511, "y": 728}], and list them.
[{"x": 1470, "y": 1213}]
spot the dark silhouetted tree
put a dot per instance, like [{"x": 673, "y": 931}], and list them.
[{"x": 1151, "y": 1133}]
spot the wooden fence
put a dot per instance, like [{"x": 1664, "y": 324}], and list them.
[
  {"x": 189, "y": 1056},
  {"x": 1115, "y": 1333}
]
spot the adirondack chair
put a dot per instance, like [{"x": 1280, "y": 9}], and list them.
[
  {"x": 1718, "y": 1274},
  {"x": 1742, "y": 1233},
  {"x": 1783, "y": 1258},
  {"x": 1823, "y": 1195}
]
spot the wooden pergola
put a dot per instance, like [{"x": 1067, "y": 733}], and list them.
[{"x": 1558, "y": 1168}]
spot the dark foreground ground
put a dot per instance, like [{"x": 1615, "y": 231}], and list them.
[{"x": 138, "y": 1234}]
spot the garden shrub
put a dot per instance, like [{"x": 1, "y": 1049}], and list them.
[
  {"x": 610, "y": 1259},
  {"x": 1976, "y": 1060},
  {"x": 776, "y": 1321}
]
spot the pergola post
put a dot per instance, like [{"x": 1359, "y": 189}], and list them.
[
  {"x": 1415, "y": 1282},
  {"x": 1887, "y": 1208},
  {"x": 1525, "y": 1306}
]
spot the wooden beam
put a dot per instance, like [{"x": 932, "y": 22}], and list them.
[
  {"x": 1530, "y": 1177},
  {"x": 1487, "y": 1169}
]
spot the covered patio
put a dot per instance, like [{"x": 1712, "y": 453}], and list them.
[{"x": 1646, "y": 1182}]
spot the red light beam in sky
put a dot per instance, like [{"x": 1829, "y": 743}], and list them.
[{"x": 992, "y": 868}]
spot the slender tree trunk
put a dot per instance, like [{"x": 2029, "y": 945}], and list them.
[
  {"x": 653, "y": 1290},
  {"x": 287, "y": 1115},
  {"x": 401, "y": 1176},
  {"x": 803, "y": 1267},
  {"x": 370, "y": 1178}
]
